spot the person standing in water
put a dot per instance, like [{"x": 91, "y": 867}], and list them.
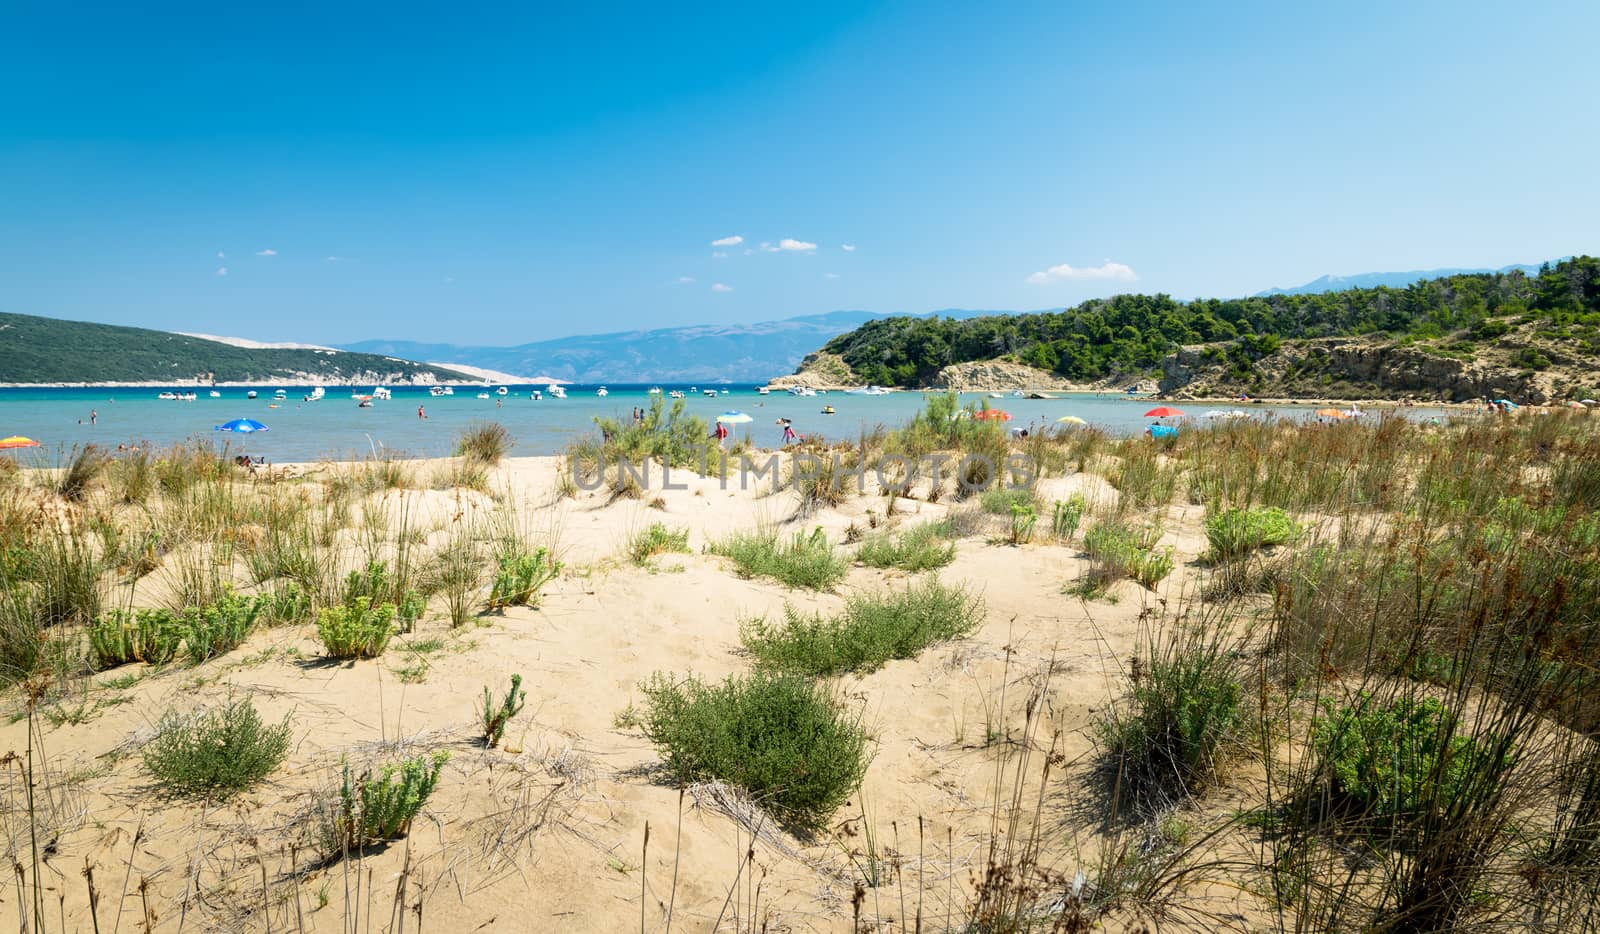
[
  {"x": 94, "y": 416},
  {"x": 421, "y": 414}
]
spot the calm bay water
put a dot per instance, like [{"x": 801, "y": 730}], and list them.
[{"x": 335, "y": 428}]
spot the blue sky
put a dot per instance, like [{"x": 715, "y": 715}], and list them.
[{"x": 506, "y": 175}]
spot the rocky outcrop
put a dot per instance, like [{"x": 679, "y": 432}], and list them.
[
  {"x": 996, "y": 375},
  {"x": 819, "y": 371},
  {"x": 1350, "y": 368}
]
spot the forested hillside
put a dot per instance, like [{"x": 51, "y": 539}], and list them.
[
  {"x": 49, "y": 350},
  {"x": 1130, "y": 335}
]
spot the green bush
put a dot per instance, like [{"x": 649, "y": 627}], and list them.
[
  {"x": 1067, "y": 516},
  {"x": 807, "y": 561},
  {"x": 496, "y": 717},
  {"x": 356, "y": 631},
  {"x": 484, "y": 442},
  {"x": 1118, "y": 550},
  {"x": 216, "y": 753},
  {"x": 374, "y": 809},
  {"x": 1184, "y": 703},
  {"x": 150, "y": 636},
  {"x": 1394, "y": 761},
  {"x": 999, "y": 501},
  {"x": 520, "y": 576},
  {"x": 1023, "y": 519},
  {"x": 220, "y": 627},
  {"x": 657, "y": 540},
  {"x": 872, "y": 630},
  {"x": 782, "y": 738},
  {"x": 1233, "y": 533},
  {"x": 917, "y": 549}
]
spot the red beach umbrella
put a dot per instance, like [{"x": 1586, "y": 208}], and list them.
[
  {"x": 995, "y": 414},
  {"x": 1163, "y": 411}
]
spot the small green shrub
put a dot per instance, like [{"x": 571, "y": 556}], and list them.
[
  {"x": 497, "y": 716},
  {"x": 1119, "y": 551},
  {"x": 917, "y": 549},
  {"x": 357, "y": 631},
  {"x": 784, "y": 739},
  {"x": 1023, "y": 519},
  {"x": 1233, "y": 533},
  {"x": 456, "y": 572},
  {"x": 808, "y": 561},
  {"x": 1394, "y": 761},
  {"x": 520, "y": 576},
  {"x": 216, "y": 753},
  {"x": 657, "y": 540},
  {"x": 219, "y": 628},
  {"x": 374, "y": 809},
  {"x": 484, "y": 442},
  {"x": 1184, "y": 703},
  {"x": 120, "y": 637},
  {"x": 1067, "y": 516},
  {"x": 999, "y": 501},
  {"x": 872, "y": 630}
]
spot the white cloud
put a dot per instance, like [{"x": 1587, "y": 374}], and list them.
[
  {"x": 718, "y": 254},
  {"x": 268, "y": 252},
  {"x": 1066, "y": 273},
  {"x": 848, "y": 247},
  {"x": 220, "y": 254},
  {"x": 796, "y": 246},
  {"x": 719, "y": 287},
  {"x": 333, "y": 259},
  {"x": 830, "y": 275},
  {"x": 734, "y": 240},
  {"x": 222, "y": 270},
  {"x": 767, "y": 247},
  {"x": 685, "y": 280}
]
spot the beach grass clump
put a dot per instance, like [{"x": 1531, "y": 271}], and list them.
[
  {"x": 62, "y": 570},
  {"x": 1143, "y": 476},
  {"x": 484, "y": 442},
  {"x": 823, "y": 481},
  {"x": 1234, "y": 533},
  {"x": 1183, "y": 707},
  {"x": 387, "y": 472},
  {"x": 466, "y": 473},
  {"x": 123, "y": 636},
  {"x": 1119, "y": 550},
  {"x": 920, "y": 548},
  {"x": 216, "y": 753},
  {"x": 520, "y": 573},
  {"x": 218, "y": 628},
  {"x": 375, "y": 808},
  {"x": 456, "y": 573},
  {"x": 81, "y": 474},
  {"x": 497, "y": 716},
  {"x": 656, "y": 539},
  {"x": 357, "y": 630},
  {"x": 801, "y": 561},
  {"x": 999, "y": 501},
  {"x": 873, "y": 629},
  {"x": 786, "y": 740},
  {"x": 131, "y": 477}
]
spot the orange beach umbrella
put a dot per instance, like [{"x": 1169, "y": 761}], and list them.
[
  {"x": 1332, "y": 413},
  {"x": 995, "y": 414},
  {"x": 1163, "y": 411},
  {"x": 17, "y": 441}
]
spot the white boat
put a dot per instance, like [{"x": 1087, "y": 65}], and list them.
[
  {"x": 536, "y": 395},
  {"x": 316, "y": 394},
  {"x": 676, "y": 393},
  {"x": 555, "y": 391},
  {"x": 186, "y": 397},
  {"x": 379, "y": 392},
  {"x": 250, "y": 395},
  {"x": 502, "y": 391},
  {"x": 280, "y": 395},
  {"x": 483, "y": 395},
  {"x": 436, "y": 391},
  {"x": 724, "y": 392},
  {"x": 215, "y": 395},
  {"x": 709, "y": 392},
  {"x": 655, "y": 390},
  {"x": 602, "y": 392},
  {"x": 694, "y": 388},
  {"x": 762, "y": 391},
  {"x": 802, "y": 391},
  {"x": 168, "y": 396}
]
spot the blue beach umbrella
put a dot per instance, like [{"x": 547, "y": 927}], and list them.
[
  {"x": 243, "y": 426},
  {"x": 1507, "y": 402},
  {"x": 734, "y": 418}
]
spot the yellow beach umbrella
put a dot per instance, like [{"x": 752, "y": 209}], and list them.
[
  {"x": 1072, "y": 420},
  {"x": 17, "y": 441}
]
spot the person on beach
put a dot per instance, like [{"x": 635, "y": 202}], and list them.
[
  {"x": 788, "y": 433},
  {"x": 721, "y": 433},
  {"x": 421, "y": 414},
  {"x": 94, "y": 417}
]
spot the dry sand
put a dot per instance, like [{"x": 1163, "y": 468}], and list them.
[{"x": 547, "y": 833}]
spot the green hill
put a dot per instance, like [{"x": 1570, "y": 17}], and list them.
[
  {"x": 1506, "y": 322},
  {"x": 49, "y": 350}
]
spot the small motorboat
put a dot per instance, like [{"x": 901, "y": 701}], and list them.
[
  {"x": 555, "y": 391},
  {"x": 250, "y": 395},
  {"x": 762, "y": 391},
  {"x": 602, "y": 392},
  {"x": 483, "y": 395},
  {"x": 214, "y": 394},
  {"x": 436, "y": 391},
  {"x": 827, "y": 410},
  {"x": 379, "y": 392},
  {"x": 536, "y": 395},
  {"x": 655, "y": 390},
  {"x": 363, "y": 402},
  {"x": 676, "y": 394},
  {"x": 316, "y": 394},
  {"x": 280, "y": 395},
  {"x": 502, "y": 391},
  {"x": 712, "y": 393},
  {"x": 168, "y": 396}
]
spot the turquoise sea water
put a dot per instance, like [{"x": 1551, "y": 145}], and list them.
[{"x": 335, "y": 427}]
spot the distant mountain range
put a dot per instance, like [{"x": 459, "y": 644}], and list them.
[
  {"x": 701, "y": 353},
  {"x": 1394, "y": 280}
]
